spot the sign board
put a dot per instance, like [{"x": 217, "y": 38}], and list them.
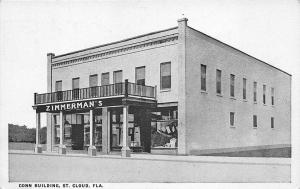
[{"x": 78, "y": 105}]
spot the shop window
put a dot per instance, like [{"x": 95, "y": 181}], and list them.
[
  {"x": 93, "y": 81},
  {"x": 140, "y": 75},
  {"x": 75, "y": 88},
  {"x": 56, "y": 119},
  {"x": 218, "y": 81},
  {"x": 255, "y": 92},
  {"x": 231, "y": 119},
  {"x": 254, "y": 121},
  {"x": 58, "y": 89},
  {"x": 165, "y": 75},
  {"x": 203, "y": 77},
  {"x": 244, "y": 88},
  {"x": 164, "y": 127},
  {"x": 264, "y": 94},
  {"x": 232, "y": 79}
]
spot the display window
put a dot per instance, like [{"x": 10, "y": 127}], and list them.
[{"x": 164, "y": 127}]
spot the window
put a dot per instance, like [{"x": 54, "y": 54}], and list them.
[
  {"x": 105, "y": 78},
  {"x": 165, "y": 75},
  {"x": 255, "y": 91},
  {"x": 140, "y": 75},
  {"x": 93, "y": 85},
  {"x": 272, "y": 122},
  {"x": 75, "y": 87},
  {"x": 118, "y": 76},
  {"x": 58, "y": 89},
  {"x": 254, "y": 121},
  {"x": 218, "y": 81},
  {"x": 232, "y": 77},
  {"x": 272, "y": 96},
  {"x": 264, "y": 94},
  {"x": 231, "y": 119},
  {"x": 244, "y": 88},
  {"x": 203, "y": 77}
]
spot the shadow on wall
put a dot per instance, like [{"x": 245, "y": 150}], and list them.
[{"x": 274, "y": 152}]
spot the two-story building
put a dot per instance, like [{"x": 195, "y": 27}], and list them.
[{"x": 175, "y": 91}]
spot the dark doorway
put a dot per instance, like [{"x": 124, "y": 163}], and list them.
[{"x": 77, "y": 136}]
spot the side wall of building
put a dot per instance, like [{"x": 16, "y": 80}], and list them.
[{"x": 208, "y": 114}]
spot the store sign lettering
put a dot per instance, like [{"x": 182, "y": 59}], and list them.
[{"x": 73, "y": 106}]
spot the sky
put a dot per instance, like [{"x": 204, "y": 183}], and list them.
[{"x": 268, "y": 30}]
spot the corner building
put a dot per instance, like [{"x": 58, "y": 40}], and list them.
[{"x": 175, "y": 91}]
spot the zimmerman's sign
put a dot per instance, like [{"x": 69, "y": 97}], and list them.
[{"x": 78, "y": 105}]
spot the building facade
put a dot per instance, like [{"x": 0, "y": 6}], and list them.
[{"x": 175, "y": 91}]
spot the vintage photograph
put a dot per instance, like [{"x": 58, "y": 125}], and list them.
[{"x": 146, "y": 92}]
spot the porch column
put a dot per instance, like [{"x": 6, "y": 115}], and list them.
[
  {"x": 38, "y": 147},
  {"x": 92, "y": 148},
  {"x": 62, "y": 147},
  {"x": 105, "y": 130},
  {"x": 125, "y": 149}
]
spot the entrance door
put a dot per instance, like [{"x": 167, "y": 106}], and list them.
[{"x": 77, "y": 137}]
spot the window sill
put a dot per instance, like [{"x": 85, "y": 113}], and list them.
[
  {"x": 244, "y": 100},
  {"x": 165, "y": 90},
  {"x": 219, "y": 95},
  {"x": 264, "y": 104},
  {"x": 233, "y": 127},
  {"x": 204, "y": 92},
  {"x": 254, "y": 127},
  {"x": 232, "y": 98},
  {"x": 254, "y": 102}
]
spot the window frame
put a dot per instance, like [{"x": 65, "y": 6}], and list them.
[
  {"x": 244, "y": 88},
  {"x": 232, "y": 119},
  {"x": 255, "y": 92},
  {"x": 102, "y": 80},
  {"x": 232, "y": 85},
  {"x": 161, "y": 77},
  {"x": 136, "y": 74},
  {"x": 203, "y": 77},
  {"x": 219, "y": 81},
  {"x": 255, "y": 121},
  {"x": 264, "y": 94},
  {"x": 114, "y": 76}
]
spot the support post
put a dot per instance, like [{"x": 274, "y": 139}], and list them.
[
  {"x": 38, "y": 147},
  {"x": 125, "y": 149},
  {"x": 92, "y": 148},
  {"x": 62, "y": 148}
]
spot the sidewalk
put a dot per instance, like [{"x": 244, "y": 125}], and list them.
[{"x": 52, "y": 167}]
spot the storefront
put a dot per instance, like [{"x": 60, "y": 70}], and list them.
[{"x": 97, "y": 124}]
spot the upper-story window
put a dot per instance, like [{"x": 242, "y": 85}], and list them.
[
  {"x": 218, "y": 81},
  {"x": 93, "y": 81},
  {"x": 140, "y": 75},
  {"x": 264, "y": 94},
  {"x": 165, "y": 75},
  {"x": 272, "y": 96},
  {"x": 105, "y": 78},
  {"x": 58, "y": 89},
  {"x": 255, "y": 91},
  {"x": 232, "y": 78},
  {"x": 244, "y": 88},
  {"x": 272, "y": 122},
  {"x": 75, "y": 87},
  {"x": 203, "y": 77},
  {"x": 118, "y": 76}
]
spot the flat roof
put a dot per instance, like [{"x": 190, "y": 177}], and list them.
[
  {"x": 151, "y": 33},
  {"x": 123, "y": 40},
  {"x": 239, "y": 51}
]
